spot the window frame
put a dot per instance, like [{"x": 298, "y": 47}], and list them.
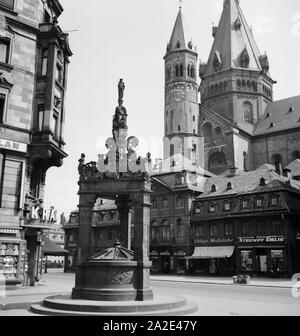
[
  {"x": 9, "y": 7},
  {"x": 210, "y": 209},
  {"x": 7, "y": 42}
]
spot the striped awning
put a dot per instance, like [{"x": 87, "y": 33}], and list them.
[{"x": 213, "y": 252}]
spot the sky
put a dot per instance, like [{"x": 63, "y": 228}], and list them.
[{"x": 127, "y": 39}]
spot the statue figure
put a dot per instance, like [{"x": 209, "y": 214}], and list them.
[
  {"x": 81, "y": 165},
  {"x": 121, "y": 88}
]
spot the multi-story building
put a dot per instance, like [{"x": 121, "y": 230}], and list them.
[
  {"x": 34, "y": 58},
  {"x": 247, "y": 223}
]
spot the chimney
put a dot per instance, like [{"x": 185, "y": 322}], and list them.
[
  {"x": 278, "y": 168},
  {"x": 287, "y": 173},
  {"x": 232, "y": 171}
]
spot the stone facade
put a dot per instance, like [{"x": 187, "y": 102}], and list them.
[{"x": 31, "y": 124}]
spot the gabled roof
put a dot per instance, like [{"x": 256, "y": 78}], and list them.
[
  {"x": 233, "y": 40},
  {"x": 294, "y": 167},
  {"x": 248, "y": 182},
  {"x": 180, "y": 38},
  {"x": 279, "y": 115}
]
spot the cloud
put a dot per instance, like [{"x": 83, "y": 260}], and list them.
[{"x": 263, "y": 25}]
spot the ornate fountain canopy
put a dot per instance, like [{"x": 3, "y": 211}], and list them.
[
  {"x": 121, "y": 160},
  {"x": 117, "y": 252}
]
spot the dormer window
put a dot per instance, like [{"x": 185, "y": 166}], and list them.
[
  {"x": 245, "y": 59},
  {"x": 178, "y": 45},
  {"x": 238, "y": 24},
  {"x": 190, "y": 45},
  {"x": 213, "y": 188},
  {"x": 229, "y": 186},
  {"x": 259, "y": 203},
  {"x": 262, "y": 182},
  {"x": 291, "y": 109}
]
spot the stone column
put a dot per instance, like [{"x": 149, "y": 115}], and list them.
[
  {"x": 124, "y": 207},
  {"x": 141, "y": 245},
  {"x": 86, "y": 204}
]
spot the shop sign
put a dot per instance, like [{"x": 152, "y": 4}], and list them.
[
  {"x": 180, "y": 254},
  {"x": 165, "y": 253},
  {"x": 44, "y": 214},
  {"x": 261, "y": 239},
  {"x": 214, "y": 241},
  {"x": 13, "y": 145}
]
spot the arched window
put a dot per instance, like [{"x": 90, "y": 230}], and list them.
[
  {"x": 248, "y": 112},
  {"x": 245, "y": 59},
  {"x": 179, "y": 202},
  {"x": 172, "y": 121},
  {"x": 177, "y": 70},
  {"x": 165, "y": 203},
  {"x": 178, "y": 45},
  {"x": 192, "y": 72},
  {"x": 217, "y": 160},
  {"x": 194, "y": 118},
  {"x": 181, "y": 70},
  {"x": 179, "y": 228},
  {"x": 295, "y": 155},
  {"x": 189, "y": 70},
  {"x": 168, "y": 73},
  {"x": 218, "y": 132},
  {"x": 207, "y": 130},
  {"x": 172, "y": 150}
]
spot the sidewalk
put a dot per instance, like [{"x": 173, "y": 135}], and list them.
[{"x": 254, "y": 281}]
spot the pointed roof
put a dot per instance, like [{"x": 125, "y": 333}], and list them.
[
  {"x": 180, "y": 38},
  {"x": 234, "y": 41}
]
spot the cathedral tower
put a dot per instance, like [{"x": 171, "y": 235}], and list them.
[
  {"x": 181, "y": 94},
  {"x": 236, "y": 82},
  {"x": 235, "y": 88}
]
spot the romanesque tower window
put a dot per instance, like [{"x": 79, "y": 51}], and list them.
[
  {"x": 207, "y": 130},
  {"x": 177, "y": 70},
  {"x": 192, "y": 72},
  {"x": 168, "y": 73},
  {"x": 181, "y": 70},
  {"x": 248, "y": 112}
]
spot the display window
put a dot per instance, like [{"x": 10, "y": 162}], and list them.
[
  {"x": 12, "y": 260},
  {"x": 247, "y": 261}
]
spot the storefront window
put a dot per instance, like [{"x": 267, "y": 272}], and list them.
[
  {"x": 246, "y": 261},
  {"x": 277, "y": 262},
  {"x": 199, "y": 231}
]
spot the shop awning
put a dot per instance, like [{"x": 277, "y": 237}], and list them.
[
  {"x": 53, "y": 249},
  {"x": 211, "y": 252}
]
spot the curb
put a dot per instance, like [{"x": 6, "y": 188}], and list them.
[{"x": 222, "y": 284}]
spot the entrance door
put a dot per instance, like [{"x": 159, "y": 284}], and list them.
[{"x": 263, "y": 262}]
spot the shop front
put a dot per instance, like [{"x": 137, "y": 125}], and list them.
[
  {"x": 212, "y": 260},
  {"x": 263, "y": 256},
  {"x": 13, "y": 258},
  {"x": 162, "y": 262}
]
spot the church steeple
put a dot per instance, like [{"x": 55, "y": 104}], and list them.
[
  {"x": 180, "y": 38},
  {"x": 181, "y": 91},
  {"x": 233, "y": 40},
  {"x": 236, "y": 82}
]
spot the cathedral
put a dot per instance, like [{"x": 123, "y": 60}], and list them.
[
  {"x": 225, "y": 196},
  {"x": 242, "y": 126}
]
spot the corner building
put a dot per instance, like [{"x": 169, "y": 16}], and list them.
[{"x": 34, "y": 58}]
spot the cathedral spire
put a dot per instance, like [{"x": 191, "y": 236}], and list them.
[
  {"x": 180, "y": 38},
  {"x": 234, "y": 42}
]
